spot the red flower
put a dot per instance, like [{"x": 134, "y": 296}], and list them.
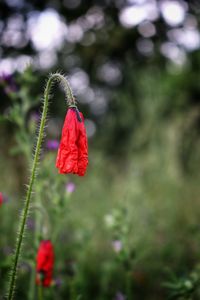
[
  {"x": 72, "y": 154},
  {"x": 1, "y": 198},
  {"x": 45, "y": 262}
]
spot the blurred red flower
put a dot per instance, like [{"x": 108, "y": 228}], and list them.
[
  {"x": 72, "y": 154},
  {"x": 45, "y": 263},
  {"x": 1, "y": 198}
]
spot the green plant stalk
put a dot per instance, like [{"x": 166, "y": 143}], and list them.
[
  {"x": 31, "y": 294},
  {"x": 20, "y": 236},
  {"x": 128, "y": 285},
  {"x": 40, "y": 292},
  {"x": 73, "y": 295}
]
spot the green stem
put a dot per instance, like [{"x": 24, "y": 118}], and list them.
[
  {"x": 45, "y": 226},
  {"x": 40, "y": 292},
  {"x": 128, "y": 286},
  {"x": 72, "y": 290},
  {"x": 31, "y": 294},
  {"x": 36, "y": 238},
  {"x": 71, "y": 101}
]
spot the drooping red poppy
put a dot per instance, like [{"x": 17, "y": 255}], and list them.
[
  {"x": 44, "y": 263},
  {"x": 72, "y": 154},
  {"x": 1, "y": 198}
]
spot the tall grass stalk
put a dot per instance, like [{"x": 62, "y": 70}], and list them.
[{"x": 40, "y": 293}]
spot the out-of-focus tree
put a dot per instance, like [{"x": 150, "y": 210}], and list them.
[{"x": 120, "y": 57}]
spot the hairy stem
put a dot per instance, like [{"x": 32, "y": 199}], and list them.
[{"x": 20, "y": 237}]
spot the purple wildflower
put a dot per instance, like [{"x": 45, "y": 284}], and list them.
[
  {"x": 117, "y": 245},
  {"x": 9, "y": 83},
  {"x": 35, "y": 116},
  {"x": 52, "y": 145},
  {"x": 70, "y": 187},
  {"x": 119, "y": 296},
  {"x": 5, "y": 77},
  {"x": 31, "y": 224},
  {"x": 57, "y": 282}
]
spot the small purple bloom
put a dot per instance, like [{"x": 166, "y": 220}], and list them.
[
  {"x": 52, "y": 145},
  {"x": 117, "y": 246},
  {"x": 58, "y": 282},
  {"x": 31, "y": 224},
  {"x": 5, "y": 77},
  {"x": 9, "y": 83},
  {"x": 35, "y": 116},
  {"x": 70, "y": 187},
  {"x": 119, "y": 296}
]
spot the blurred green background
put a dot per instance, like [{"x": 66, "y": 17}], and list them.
[{"x": 130, "y": 228}]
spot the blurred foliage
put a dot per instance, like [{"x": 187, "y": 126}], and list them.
[
  {"x": 143, "y": 171},
  {"x": 127, "y": 102},
  {"x": 148, "y": 194}
]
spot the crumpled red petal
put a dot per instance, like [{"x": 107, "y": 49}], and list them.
[
  {"x": 67, "y": 158},
  {"x": 45, "y": 263},
  {"x": 72, "y": 154},
  {"x": 82, "y": 149}
]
